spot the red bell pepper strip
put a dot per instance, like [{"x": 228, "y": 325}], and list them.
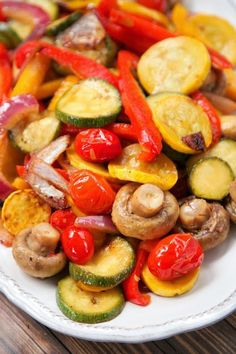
[
  {"x": 2, "y": 16},
  {"x": 122, "y": 35},
  {"x": 213, "y": 116},
  {"x": 140, "y": 26},
  {"x": 78, "y": 63},
  {"x": 5, "y": 73},
  {"x": 25, "y": 52},
  {"x": 123, "y": 130},
  {"x": 137, "y": 108},
  {"x": 159, "y": 5},
  {"x": 218, "y": 60},
  {"x": 105, "y": 6},
  {"x": 70, "y": 129},
  {"x": 130, "y": 285}
]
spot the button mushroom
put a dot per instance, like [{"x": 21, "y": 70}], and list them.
[
  {"x": 230, "y": 204},
  {"x": 144, "y": 211},
  {"x": 34, "y": 251},
  {"x": 209, "y": 223}
]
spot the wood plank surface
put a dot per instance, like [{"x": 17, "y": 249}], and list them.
[{"x": 19, "y": 334}]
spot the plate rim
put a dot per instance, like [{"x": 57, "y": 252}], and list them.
[{"x": 108, "y": 333}]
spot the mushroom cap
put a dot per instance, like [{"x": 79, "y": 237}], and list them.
[
  {"x": 230, "y": 207},
  {"x": 132, "y": 225},
  {"x": 214, "y": 230},
  {"x": 33, "y": 264}
]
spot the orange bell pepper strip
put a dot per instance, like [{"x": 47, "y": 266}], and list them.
[
  {"x": 48, "y": 89},
  {"x": 130, "y": 285},
  {"x": 212, "y": 114},
  {"x": 32, "y": 75},
  {"x": 5, "y": 73},
  {"x": 137, "y": 108}
]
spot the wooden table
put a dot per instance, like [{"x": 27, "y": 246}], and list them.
[{"x": 19, "y": 334}]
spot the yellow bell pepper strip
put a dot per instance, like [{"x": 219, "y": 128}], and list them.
[
  {"x": 130, "y": 285},
  {"x": 213, "y": 116},
  {"x": 32, "y": 75},
  {"x": 78, "y": 4},
  {"x": 64, "y": 86},
  {"x": 144, "y": 11},
  {"x": 27, "y": 13},
  {"x": 48, "y": 89},
  {"x": 5, "y": 73},
  {"x": 137, "y": 108}
]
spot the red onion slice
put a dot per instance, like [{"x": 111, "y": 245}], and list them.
[
  {"x": 16, "y": 108},
  {"x": 47, "y": 172},
  {"x": 51, "y": 195},
  {"x": 223, "y": 104},
  {"x": 51, "y": 152},
  {"x": 97, "y": 222},
  {"x": 36, "y": 14}
]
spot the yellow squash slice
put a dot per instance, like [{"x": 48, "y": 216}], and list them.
[
  {"x": 171, "y": 288},
  {"x": 178, "y": 116},
  {"x": 23, "y": 209},
  {"x": 128, "y": 167},
  {"x": 77, "y": 162},
  {"x": 178, "y": 64},
  {"x": 218, "y": 33}
]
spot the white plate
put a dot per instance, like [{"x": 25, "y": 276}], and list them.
[{"x": 213, "y": 297}]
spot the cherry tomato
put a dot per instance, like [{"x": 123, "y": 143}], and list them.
[
  {"x": 78, "y": 244},
  {"x": 97, "y": 145},
  {"x": 91, "y": 193},
  {"x": 61, "y": 219},
  {"x": 175, "y": 256}
]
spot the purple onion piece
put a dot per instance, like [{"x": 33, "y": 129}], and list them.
[{"x": 97, "y": 222}]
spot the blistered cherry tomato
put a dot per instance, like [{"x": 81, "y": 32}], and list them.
[
  {"x": 91, "y": 193},
  {"x": 97, "y": 145},
  {"x": 78, "y": 244},
  {"x": 61, "y": 219},
  {"x": 175, "y": 256}
]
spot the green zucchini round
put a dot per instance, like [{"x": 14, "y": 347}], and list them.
[
  {"x": 61, "y": 24},
  {"x": 109, "y": 267},
  {"x": 87, "y": 307},
  {"x": 210, "y": 178},
  {"x": 90, "y": 103}
]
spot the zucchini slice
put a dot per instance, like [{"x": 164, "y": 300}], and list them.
[
  {"x": 8, "y": 36},
  {"x": 128, "y": 167},
  {"x": 109, "y": 267},
  {"x": 63, "y": 23},
  {"x": 48, "y": 6},
  {"x": 90, "y": 103},
  {"x": 178, "y": 64},
  {"x": 169, "y": 288},
  {"x": 36, "y": 135},
  {"x": 22, "y": 29},
  {"x": 210, "y": 178},
  {"x": 225, "y": 150},
  {"x": 178, "y": 116},
  {"x": 217, "y": 33},
  {"x": 88, "y": 307}
]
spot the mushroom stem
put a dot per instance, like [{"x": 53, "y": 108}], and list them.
[
  {"x": 232, "y": 190},
  {"x": 194, "y": 213},
  {"x": 43, "y": 239},
  {"x": 228, "y": 125},
  {"x": 147, "y": 200}
]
